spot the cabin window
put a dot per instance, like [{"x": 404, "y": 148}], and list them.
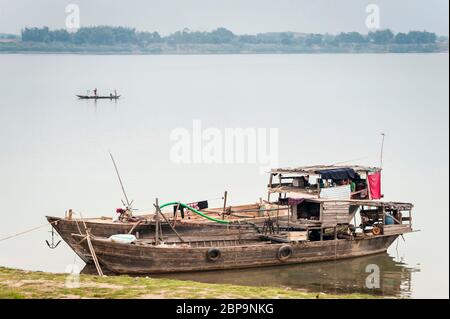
[{"x": 308, "y": 210}]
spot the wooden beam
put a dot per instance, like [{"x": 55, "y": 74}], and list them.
[
  {"x": 91, "y": 249},
  {"x": 224, "y": 204},
  {"x": 270, "y": 186},
  {"x": 157, "y": 224}
]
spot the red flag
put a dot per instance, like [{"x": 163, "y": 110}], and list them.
[{"x": 375, "y": 185}]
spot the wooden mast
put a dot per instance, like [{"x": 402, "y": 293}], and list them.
[
  {"x": 270, "y": 186},
  {"x": 121, "y": 184},
  {"x": 224, "y": 204},
  {"x": 381, "y": 152}
]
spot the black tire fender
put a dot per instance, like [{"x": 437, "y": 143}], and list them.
[
  {"x": 285, "y": 252},
  {"x": 213, "y": 254}
]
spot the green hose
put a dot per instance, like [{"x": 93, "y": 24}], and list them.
[{"x": 195, "y": 211}]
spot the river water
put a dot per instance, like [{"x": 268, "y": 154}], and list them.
[{"x": 327, "y": 108}]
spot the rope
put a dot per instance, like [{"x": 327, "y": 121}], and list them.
[
  {"x": 76, "y": 222},
  {"x": 27, "y": 231},
  {"x": 351, "y": 160},
  {"x": 78, "y": 226}
]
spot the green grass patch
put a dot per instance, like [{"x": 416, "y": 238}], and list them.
[{"x": 16, "y": 283}]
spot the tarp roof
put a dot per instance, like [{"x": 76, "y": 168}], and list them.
[
  {"x": 337, "y": 173},
  {"x": 312, "y": 170}
]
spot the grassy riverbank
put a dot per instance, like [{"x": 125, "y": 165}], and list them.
[{"x": 34, "y": 284}]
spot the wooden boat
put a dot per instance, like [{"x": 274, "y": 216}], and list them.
[
  {"x": 310, "y": 214},
  {"x": 243, "y": 218},
  {"x": 329, "y": 237},
  {"x": 98, "y": 97},
  {"x": 145, "y": 258}
]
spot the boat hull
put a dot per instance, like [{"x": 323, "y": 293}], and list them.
[
  {"x": 67, "y": 227},
  {"x": 148, "y": 259}
]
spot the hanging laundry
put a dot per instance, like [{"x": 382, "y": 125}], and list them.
[
  {"x": 199, "y": 205},
  {"x": 374, "y": 181}
]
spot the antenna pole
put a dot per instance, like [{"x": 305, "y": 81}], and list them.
[
  {"x": 120, "y": 180},
  {"x": 381, "y": 153}
]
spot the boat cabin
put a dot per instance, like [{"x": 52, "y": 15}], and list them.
[
  {"x": 325, "y": 219},
  {"x": 328, "y": 202},
  {"x": 325, "y": 181}
]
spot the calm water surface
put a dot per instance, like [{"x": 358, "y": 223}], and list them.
[
  {"x": 328, "y": 108},
  {"x": 336, "y": 277},
  {"x": 347, "y": 276}
]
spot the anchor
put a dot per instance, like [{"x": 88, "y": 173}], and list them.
[{"x": 52, "y": 245}]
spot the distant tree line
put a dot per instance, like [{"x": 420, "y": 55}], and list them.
[
  {"x": 106, "y": 35},
  {"x": 8, "y": 36}
]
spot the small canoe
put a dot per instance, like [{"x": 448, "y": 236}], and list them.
[{"x": 86, "y": 97}]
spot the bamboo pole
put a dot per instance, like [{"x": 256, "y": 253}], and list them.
[
  {"x": 157, "y": 225},
  {"x": 270, "y": 186},
  {"x": 94, "y": 256},
  {"x": 224, "y": 204},
  {"x": 368, "y": 186},
  {"x": 161, "y": 235},
  {"x": 91, "y": 249},
  {"x": 278, "y": 224},
  {"x": 382, "y": 148},
  {"x": 120, "y": 181},
  {"x": 134, "y": 226}
]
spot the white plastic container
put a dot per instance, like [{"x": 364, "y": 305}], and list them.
[{"x": 123, "y": 238}]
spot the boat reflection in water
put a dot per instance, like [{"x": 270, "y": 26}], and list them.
[
  {"x": 342, "y": 276},
  {"x": 337, "y": 277}
]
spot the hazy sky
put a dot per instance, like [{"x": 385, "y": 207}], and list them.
[{"x": 241, "y": 16}]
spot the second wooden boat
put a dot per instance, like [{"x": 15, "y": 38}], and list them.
[{"x": 146, "y": 258}]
